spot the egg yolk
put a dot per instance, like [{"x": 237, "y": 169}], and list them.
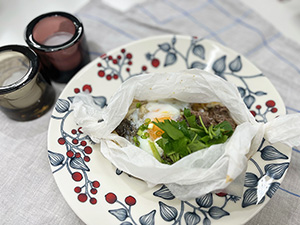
[{"x": 155, "y": 132}]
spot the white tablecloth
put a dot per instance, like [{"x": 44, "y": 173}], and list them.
[{"x": 28, "y": 192}]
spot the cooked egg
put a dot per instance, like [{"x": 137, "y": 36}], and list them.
[{"x": 157, "y": 111}]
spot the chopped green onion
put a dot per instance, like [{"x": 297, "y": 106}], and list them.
[
  {"x": 136, "y": 142},
  {"x": 140, "y": 132},
  {"x": 143, "y": 127},
  {"x": 147, "y": 121},
  {"x": 138, "y": 105},
  {"x": 145, "y": 135}
]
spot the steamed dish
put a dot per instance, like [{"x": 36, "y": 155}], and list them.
[
  {"x": 202, "y": 120},
  {"x": 170, "y": 129},
  {"x": 192, "y": 126}
]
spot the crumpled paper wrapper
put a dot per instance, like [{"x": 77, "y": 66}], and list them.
[{"x": 217, "y": 168}]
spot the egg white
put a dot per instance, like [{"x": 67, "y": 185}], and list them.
[
  {"x": 167, "y": 108},
  {"x": 144, "y": 144},
  {"x": 164, "y": 108}
]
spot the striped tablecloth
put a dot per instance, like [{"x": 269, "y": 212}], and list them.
[{"x": 28, "y": 193}]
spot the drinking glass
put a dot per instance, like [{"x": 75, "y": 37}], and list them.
[
  {"x": 58, "y": 39},
  {"x": 24, "y": 92}
]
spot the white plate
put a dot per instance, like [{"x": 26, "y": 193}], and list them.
[{"x": 101, "y": 194}]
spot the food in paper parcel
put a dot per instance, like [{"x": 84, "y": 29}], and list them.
[
  {"x": 170, "y": 129},
  {"x": 218, "y": 167},
  {"x": 183, "y": 95}
]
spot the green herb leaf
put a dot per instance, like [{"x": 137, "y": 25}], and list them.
[
  {"x": 191, "y": 119},
  {"x": 226, "y": 127},
  {"x": 196, "y": 145},
  {"x": 181, "y": 138},
  {"x": 170, "y": 129}
]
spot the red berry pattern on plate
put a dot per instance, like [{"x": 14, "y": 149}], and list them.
[
  {"x": 111, "y": 198},
  {"x": 260, "y": 115},
  {"x": 85, "y": 88},
  {"x": 78, "y": 149},
  {"x": 118, "y": 66},
  {"x": 125, "y": 212},
  {"x": 129, "y": 200}
]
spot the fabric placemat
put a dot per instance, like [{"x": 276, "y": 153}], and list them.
[{"x": 28, "y": 192}]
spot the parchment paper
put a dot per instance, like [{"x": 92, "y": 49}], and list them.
[{"x": 217, "y": 168}]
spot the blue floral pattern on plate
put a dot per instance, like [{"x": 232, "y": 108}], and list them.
[{"x": 73, "y": 157}]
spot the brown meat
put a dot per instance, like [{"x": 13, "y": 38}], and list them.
[
  {"x": 126, "y": 129},
  {"x": 214, "y": 115}
]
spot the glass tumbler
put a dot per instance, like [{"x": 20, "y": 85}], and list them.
[
  {"x": 58, "y": 39},
  {"x": 24, "y": 93}
]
